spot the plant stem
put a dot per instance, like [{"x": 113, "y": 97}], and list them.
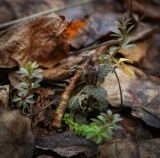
[{"x": 120, "y": 88}]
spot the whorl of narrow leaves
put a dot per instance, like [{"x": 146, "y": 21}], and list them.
[
  {"x": 32, "y": 76},
  {"x": 121, "y": 32},
  {"x": 99, "y": 130}
]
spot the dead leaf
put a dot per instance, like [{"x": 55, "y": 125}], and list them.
[
  {"x": 139, "y": 50},
  {"x": 99, "y": 16},
  {"x": 73, "y": 28},
  {"x": 67, "y": 145},
  {"x": 137, "y": 94},
  {"x": 15, "y": 9},
  {"x": 124, "y": 148},
  {"x": 15, "y": 130},
  {"x": 40, "y": 40},
  {"x": 133, "y": 129},
  {"x": 147, "y": 8},
  {"x": 151, "y": 62}
]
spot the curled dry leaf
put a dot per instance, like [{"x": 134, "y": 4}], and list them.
[
  {"x": 41, "y": 39},
  {"x": 137, "y": 93}
]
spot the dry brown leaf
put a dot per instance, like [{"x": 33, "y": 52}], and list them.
[
  {"x": 40, "y": 40},
  {"x": 14, "y": 9},
  {"x": 147, "y": 8},
  {"x": 67, "y": 145},
  {"x": 73, "y": 28},
  {"x": 138, "y": 52},
  {"x": 151, "y": 62},
  {"x": 136, "y": 93},
  {"x": 140, "y": 48},
  {"x": 15, "y": 130},
  {"x": 124, "y": 148}
]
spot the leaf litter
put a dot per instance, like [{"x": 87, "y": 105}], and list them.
[{"x": 49, "y": 40}]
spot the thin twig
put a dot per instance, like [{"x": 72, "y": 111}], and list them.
[
  {"x": 43, "y": 108},
  {"x": 120, "y": 88},
  {"x": 47, "y": 12},
  {"x": 64, "y": 100}
]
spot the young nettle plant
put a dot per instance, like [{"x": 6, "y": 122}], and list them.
[
  {"x": 99, "y": 129},
  {"x": 93, "y": 74},
  {"x": 32, "y": 76}
]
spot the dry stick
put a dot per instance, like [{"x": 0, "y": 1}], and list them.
[
  {"x": 5, "y": 25},
  {"x": 64, "y": 100}
]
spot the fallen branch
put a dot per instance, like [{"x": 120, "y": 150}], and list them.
[{"x": 64, "y": 100}]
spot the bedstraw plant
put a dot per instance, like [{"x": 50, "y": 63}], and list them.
[{"x": 32, "y": 76}]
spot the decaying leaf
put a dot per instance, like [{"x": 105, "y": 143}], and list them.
[
  {"x": 147, "y": 8},
  {"x": 15, "y": 130},
  {"x": 124, "y": 148},
  {"x": 67, "y": 144},
  {"x": 73, "y": 28},
  {"x": 137, "y": 94},
  {"x": 14, "y": 9},
  {"x": 41, "y": 39}
]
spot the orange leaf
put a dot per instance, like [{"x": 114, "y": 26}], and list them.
[{"x": 73, "y": 28}]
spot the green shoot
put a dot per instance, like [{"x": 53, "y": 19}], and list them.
[
  {"x": 25, "y": 90},
  {"x": 99, "y": 129}
]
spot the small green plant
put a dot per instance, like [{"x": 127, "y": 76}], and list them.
[
  {"x": 25, "y": 90},
  {"x": 93, "y": 74},
  {"x": 121, "y": 33},
  {"x": 99, "y": 129}
]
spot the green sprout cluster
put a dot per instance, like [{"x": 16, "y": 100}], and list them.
[
  {"x": 121, "y": 33},
  {"x": 99, "y": 129},
  {"x": 32, "y": 76}
]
